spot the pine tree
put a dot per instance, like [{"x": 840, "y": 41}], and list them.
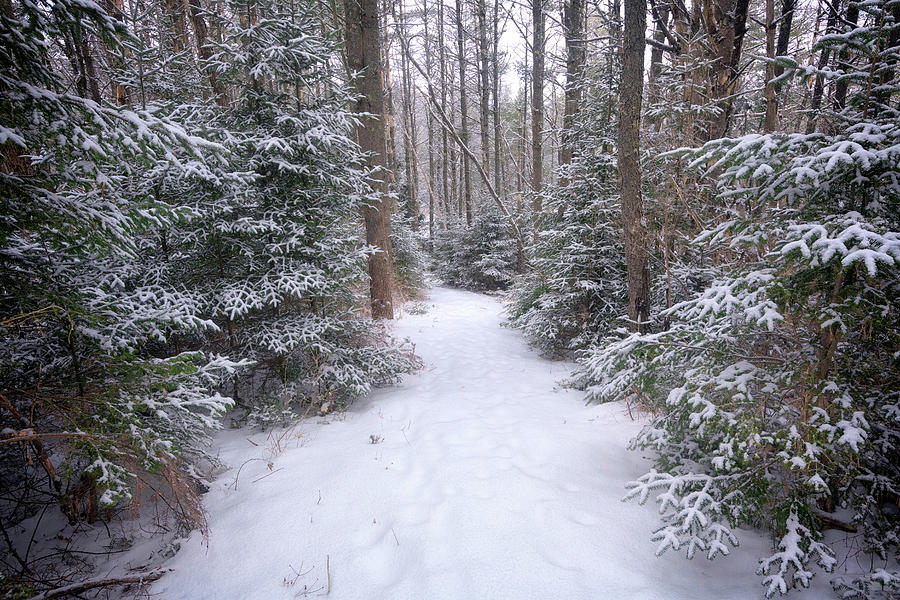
[
  {"x": 775, "y": 386},
  {"x": 273, "y": 250},
  {"x": 575, "y": 291},
  {"x": 82, "y": 316}
]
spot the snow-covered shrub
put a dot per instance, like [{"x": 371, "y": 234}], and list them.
[
  {"x": 574, "y": 289},
  {"x": 407, "y": 246},
  {"x": 481, "y": 257},
  {"x": 776, "y": 387}
]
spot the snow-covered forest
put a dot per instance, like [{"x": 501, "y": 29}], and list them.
[{"x": 403, "y": 299}]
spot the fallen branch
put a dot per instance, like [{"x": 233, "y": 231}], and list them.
[
  {"x": 35, "y": 442},
  {"x": 77, "y": 588}
]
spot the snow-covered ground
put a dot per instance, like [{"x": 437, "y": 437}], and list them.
[{"x": 477, "y": 478}]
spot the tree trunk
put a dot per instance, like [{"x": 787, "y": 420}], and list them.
[
  {"x": 819, "y": 85},
  {"x": 784, "y": 31},
  {"x": 409, "y": 122},
  {"x": 889, "y": 40},
  {"x": 203, "y": 50},
  {"x": 430, "y": 129},
  {"x": 484, "y": 80},
  {"x": 573, "y": 15},
  {"x": 175, "y": 11},
  {"x": 389, "y": 111},
  {"x": 840, "y": 87},
  {"x": 630, "y": 94},
  {"x": 463, "y": 112},
  {"x": 445, "y": 154},
  {"x": 660, "y": 13},
  {"x": 363, "y": 40},
  {"x": 496, "y": 92},
  {"x": 537, "y": 108},
  {"x": 771, "y": 123},
  {"x": 726, "y": 24}
]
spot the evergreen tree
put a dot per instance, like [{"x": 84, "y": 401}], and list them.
[
  {"x": 775, "y": 387},
  {"x": 80, "y": 315},
  {"x": 575, "y": 291},
  {"x": 481, "y": 257},
  {"x": 272, "y": 251}
]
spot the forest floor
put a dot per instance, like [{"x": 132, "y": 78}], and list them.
[{"x": 476, "y": 478}]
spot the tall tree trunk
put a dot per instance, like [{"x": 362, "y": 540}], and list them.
[
  {"x": 116, "y": 9},
  {"x": 389, "y": 110},
  {"x": 463, "y": 112},
  {"x": 445, "y": 155},
  {"x": 537, "y": 108},
  {"x": 430, "y": 129},
  {"x": 363, "y": 40},
  {"x": 523, "y": 155},
  {"x": 484, "y": 80},
  {"x": 456, "y": 197},
  {"x": 784, "y": 31},
  {"x": 840, "y": 87},
  {"x": 175, "y": 11},
  {"x": 888, "y": 41},
  {"x": 409, "y": 121},
  {"x": 819, "y": 85},
  {"x": 203, "y": 50},
  {"x": 726, "y": 24},
  {"x": 496, "y": 93},
  {"x": 771, "y": 122},
  {"x": 660, "y": 11},
  {"x": 573, "y": 15},
  {"x": 630, "y": 94},
  {"x": 87, "y": 68}
]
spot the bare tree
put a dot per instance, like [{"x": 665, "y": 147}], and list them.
[
  {"x": 429, "y": 127},
  {"x": 463, "y": 111},
  {"x": 496, "y": 92},
  {"x": 409, "y": 117}
]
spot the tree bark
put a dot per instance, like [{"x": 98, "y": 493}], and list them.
[
  {"x": 784, "y": 31},
  {"x": 771, "y": 122},
  {"x": 201, "y": 35},
  {"x": 630, "y": 95},
  {"x": 726, "y": 24},
  {"x": 429, "y": 123},
  {"x": 389, "y": 111},
  {"x": 363, "y": 41},
  {"x": 445, "y": 154},
  {"x": 484, "y": 80},
  {"x": 660, "y": 13},
  {"x": 537, "y": 108},
  {"x": 819, "y": 85},
  {"x": 840, "y": 87},
  {"x": 496, "y": 96},
  {"x": 463, "y": 111},
  {"x": 409, "y": 122},
  {"x": 573, "y": 15}
]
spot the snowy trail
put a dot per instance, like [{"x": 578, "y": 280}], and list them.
[{"x": 489, "y": 483}]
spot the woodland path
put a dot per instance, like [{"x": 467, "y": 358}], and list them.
[{"x": 487, "y": 482}]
